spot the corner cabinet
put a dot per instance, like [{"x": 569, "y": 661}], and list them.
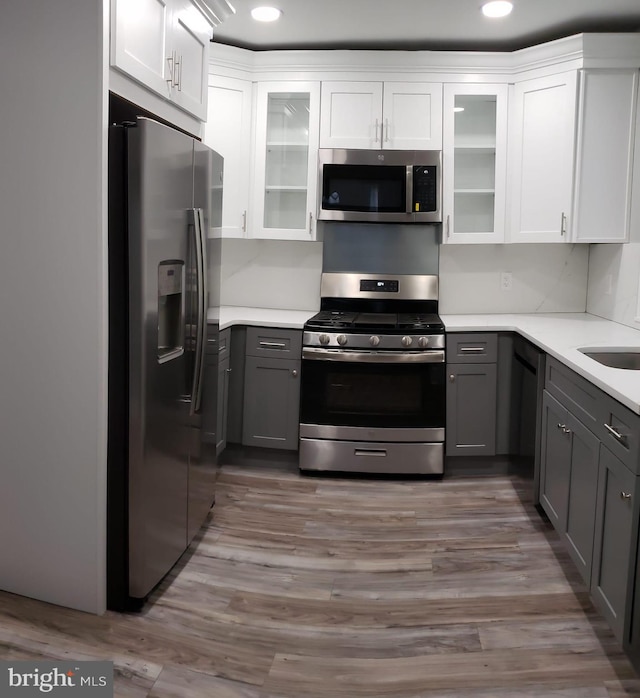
[
  {"x": 474, "y": 163},
  {"x": 542, "y": 142},
  {"x": 572, "y": 140},
  {"x": 164, "y": 45},
  {"x": 285, "y": 167},
  {"x": 376, "y": 115}
]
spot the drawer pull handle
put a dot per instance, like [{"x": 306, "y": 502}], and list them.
[
  {"x": 472, "y": 350},
  {"x": 622, "y": 438},
  {"x": 273, "y": 345},
  {"x": 381, "y": 453},
  {"x": 561, "y": 426},
  {"x": 625, "y": 495}
]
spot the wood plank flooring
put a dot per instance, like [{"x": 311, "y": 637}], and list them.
[{"x": 322, "y": 587}]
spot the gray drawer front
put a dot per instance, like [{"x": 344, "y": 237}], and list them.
[
  {"x": 224, "y": 343},
  {"x": 579, "y": 396},
  {"x": 619, "y": 430},
  {"x": 273, "y": 342},
  {"x": 472, "y": 348}
]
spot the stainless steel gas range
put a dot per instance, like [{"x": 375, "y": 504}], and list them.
[{"x": 373, "y": 376}]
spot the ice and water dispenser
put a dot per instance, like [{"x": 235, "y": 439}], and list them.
[{"x": 170, "y": 310}]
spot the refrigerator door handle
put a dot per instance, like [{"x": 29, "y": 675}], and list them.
[
  {"x": 203, "y": 293},
  {"x": 195, "y": 224}
]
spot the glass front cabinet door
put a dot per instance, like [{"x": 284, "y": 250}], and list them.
[
  {"x": 286, "y": 161},
  {"x": 475, "y": 161}
]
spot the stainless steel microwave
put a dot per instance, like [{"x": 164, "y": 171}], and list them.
[{"x": 380, "y": 186}]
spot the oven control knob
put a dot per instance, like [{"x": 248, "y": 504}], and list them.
[
  {"x": 374, "y": 341},
  {"x": 406, "y": 341},
  {"x": 342, "y": 339},
  {"x": 324, "y": 339},
  {"x": 423, "y": 342}
]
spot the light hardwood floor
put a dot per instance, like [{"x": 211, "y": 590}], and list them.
[{"x": 305, "y": 587}]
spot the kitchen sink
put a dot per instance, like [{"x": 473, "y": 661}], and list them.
[{"x": 614, "y": 357}]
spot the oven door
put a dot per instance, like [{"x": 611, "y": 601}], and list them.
[{"x": 373, "y": 395}]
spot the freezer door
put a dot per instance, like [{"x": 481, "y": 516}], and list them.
[
  {"x": 207, "y": 202},
  {"x": 160, "y": 180}
]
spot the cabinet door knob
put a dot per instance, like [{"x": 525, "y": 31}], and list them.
[
  {"x": 625, "y": 495},
  {"x": 562, "y": 426},
  {"x": 294, "y": 373},
  {"x": 452, "y": 378},
  {"x": 228, "y": 370}
]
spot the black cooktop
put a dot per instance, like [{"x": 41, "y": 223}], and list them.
[{"x": 382, "y": 322}]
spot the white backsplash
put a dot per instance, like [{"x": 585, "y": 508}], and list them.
[
  {"x": 271, "y": 274},
  {"x": 544, "y": 278},
  {"x": 614, "y": 274}
]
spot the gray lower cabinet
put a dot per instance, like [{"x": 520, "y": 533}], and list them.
[
  {"x": 583, "y": 489},
  {"x": 223, "y": 404},
  {"x": 569, "y": 480},
  {"x": 555, "y": 468},
  {"x": 272, "y": 388},
  {"x": 591, "y": 491},
  {"x": 615, "y": 541},
  {"x": 471, "y": 394}
]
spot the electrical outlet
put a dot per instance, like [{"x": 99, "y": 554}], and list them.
[{"x": 506, "y": 279}]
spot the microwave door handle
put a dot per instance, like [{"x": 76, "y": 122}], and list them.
[{"x": 409, "y": 188}]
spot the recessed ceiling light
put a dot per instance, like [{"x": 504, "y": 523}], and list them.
[
  {"x": 266, "y": 14},
  {"x": 497, "y": 8}
]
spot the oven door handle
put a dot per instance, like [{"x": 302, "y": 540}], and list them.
[{"x": 374, "y": 357}]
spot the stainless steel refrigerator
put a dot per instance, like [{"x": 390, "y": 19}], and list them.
[{"x": 165, "y": 192}]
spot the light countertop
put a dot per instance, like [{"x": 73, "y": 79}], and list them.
[
  {"x": 229, "y": 315},
  {"x": 558, "y": 334}
]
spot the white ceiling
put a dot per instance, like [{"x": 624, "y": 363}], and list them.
[{"x": 422, "y": 24}]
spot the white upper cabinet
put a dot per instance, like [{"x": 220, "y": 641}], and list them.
[
  {"x": 572, "y": 138},
  {"x": 164, "y": 45},
  {"x": 228, "y": 132},
  {"x": 604, "y": 164},
  {"x": 372, "y": 115},
  {"x": 474, "y": 163},
  {"x": 542, "y": 139},
  {"x": 285, "y": 161},
  {"x": 191, "y": 37}
]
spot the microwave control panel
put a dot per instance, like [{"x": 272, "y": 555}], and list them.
[{"x": 424, "y": 188}]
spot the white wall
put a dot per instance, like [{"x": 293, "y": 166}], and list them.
[
  {"x": 614, "y": 270},
  {"x": 53, "y": 353},
  {"x": 545, "y": 278},
  {"x": 271, "y": 274}
]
